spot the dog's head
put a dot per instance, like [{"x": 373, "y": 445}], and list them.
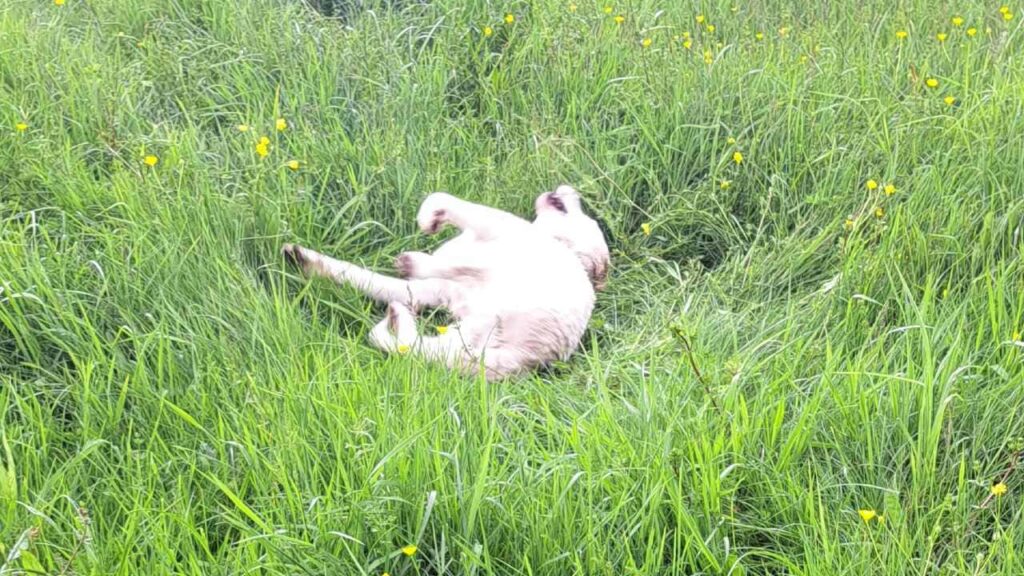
[{"x": 561, "y": 215}]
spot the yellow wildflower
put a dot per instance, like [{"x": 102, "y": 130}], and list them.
[
  {"x": 848, "y": 224},
  {"x": 607, "y": 9},
  {"x": 281, "y": 125},
  {"x": 889, "y": 189},
  {"x": 646, "y": 43},
  {"x": 941, "y": 36},
  {"x": 949, "y": 100},
  {"x": 972, "y": 32},
  {"x": 957, "y": 21},
  {"x": 687, "y": 44},
  {"x": 867, "y": 515},
  {"x": 1004, "y": 9},
  {"x": 21, "y": 126},
  {"x": 759, "y": 36},
  {"x": 58, "y": 2},
  {"x": 572, "y": 7},
  {"x": 879, "y": 212},
  {"x": 708, "y": 57},
  {"x": 999, "y": 489},
  {"x": 724, "y": 184},
  {"x": 620, "y": 19},
  {"x": 880, "y": 519},
  {"x": 488, "y": 31},
  {"x": 872, "y": 185},
  {"x": 1007, "y": 16},
  {"x": 150, "y": 160},
  {"x": 700, "y": 19},
  {"x": 411, "y": 548},
  {"x": 263, "y": 147},
  {"x": 901, "y": 34},
  {"x": 1016, "y": 336},
  {"x": 404, "y": 349},
  {"x": 730, "y": 140},
  {"x": 711, "y": 28},
  {"x": 243, "y": 127},
  {"x": 442, "y": 330},
  {"x": 737, "y": 157},
  {"x": 292, "y": 164},
  {"x": 510, "y": 18},
  {"x": 932, "y": 83},
  {"x": 646, "y": 228}
]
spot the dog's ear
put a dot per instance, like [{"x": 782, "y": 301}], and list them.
[{"x": 598, "y": 270}]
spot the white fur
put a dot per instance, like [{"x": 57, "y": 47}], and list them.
[{"x": 522, "y": 292}]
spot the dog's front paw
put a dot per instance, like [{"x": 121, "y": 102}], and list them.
[
  {"x": 412, "y": 265},
  {"x": 433, "y": 215}
]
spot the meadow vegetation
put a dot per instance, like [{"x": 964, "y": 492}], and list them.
[{"x": 808, "y": 360}]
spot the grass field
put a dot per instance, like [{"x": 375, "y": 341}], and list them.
[{"x": 819, "y": 206}]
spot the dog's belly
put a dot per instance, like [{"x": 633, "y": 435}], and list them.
[{"x": 530, "y": 295}]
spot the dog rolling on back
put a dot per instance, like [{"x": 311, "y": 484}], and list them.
[{"x": 522, "y": 292}]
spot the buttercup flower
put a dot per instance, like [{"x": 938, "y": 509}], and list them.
[
  {"x": 620, "y": 19},
  {"x": 999, "y": 489},
  {"x": 708, "y": 57},
  {"x": 711, "y": 28},
  {"x": 150, "y": 160},
  {"x": 510, "y": 18},
  {"x": 901, "y": 34},
  {"x": 972, "y": 32},
  {"x": 21, "y": 126},
  {"x": 700, "y": 19},
  {"x": 871, "y": 185},
  {"x": 607, "y": 9},
  {"x": 281, "y": 125},
  {"x": 879, "y": 212},
  {"x": 646, "y": 43},
  {"x": 1007, "y": 16},
  {"x": 442, "y": 330},
  {"x": 1004, "y": 9},
  {"x": 941, "y": 36},
  {"x": 411, "y": 548},
  {"x": 488, "y": 31},
  {"x": 292, "y": 164},
  {"x": 867, "y": 515},
  {"x": 949, "y": 100},
  {"x": 957, "y": 21},
  {"x": 724, "y": 184},
  {"x": 737, "y": 157},
  {"x": 58, "y": 2},
  {"x": 889, "y": 189},
  {"x": 404, "y": 349},
  {"x": 932, "y": 83},
  {"x": 687, "y": 44},
  {"x": 1016, "y": 336},
  {"x": 848, "y": 224},
  {"x": 730, "y": 140},
  {"x": 263, "y": 147},
  {"x": 242, "y": 127},
  {"x": 759, "y": 36}
]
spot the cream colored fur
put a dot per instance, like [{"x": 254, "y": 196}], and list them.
[{"x": 522, "y": 291}]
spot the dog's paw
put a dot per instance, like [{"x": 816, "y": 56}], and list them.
[
  {"x": 432, "y": 215},
  {"x": 293, "y": 253},
  {"x": 412, "y": 265}
]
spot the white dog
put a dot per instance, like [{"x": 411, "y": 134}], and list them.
[{"x": 522, "y": 292}]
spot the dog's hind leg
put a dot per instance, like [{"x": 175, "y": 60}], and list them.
[{"x": 413, "y": 293}]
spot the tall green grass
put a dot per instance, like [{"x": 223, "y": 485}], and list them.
[{"x": 176, "y": 400}]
